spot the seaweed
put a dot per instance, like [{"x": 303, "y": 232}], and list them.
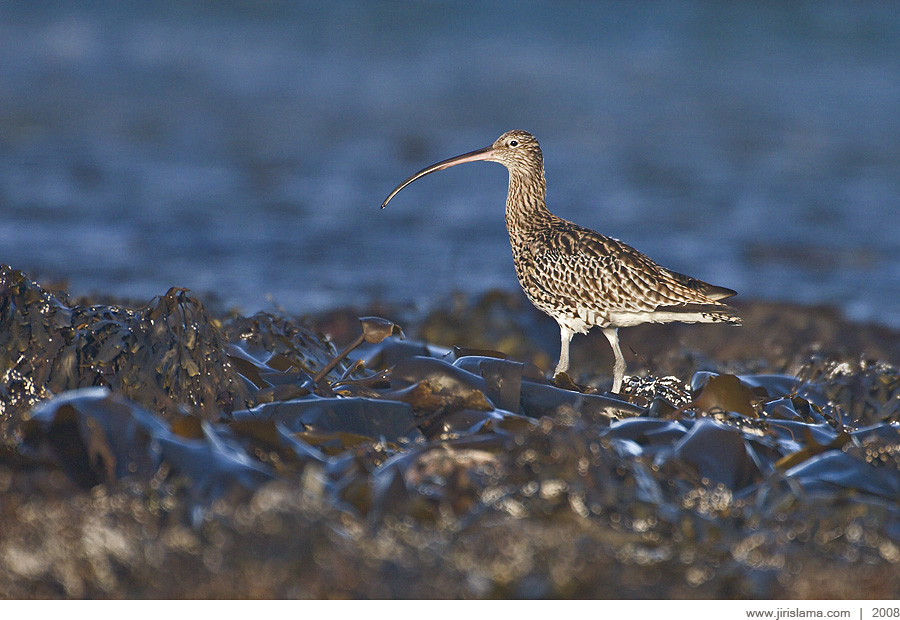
[{"x": 159, "y": 451}]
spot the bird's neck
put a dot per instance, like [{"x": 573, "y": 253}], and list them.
[{"x": 526, "y": 207}]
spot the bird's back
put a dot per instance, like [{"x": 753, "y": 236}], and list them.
[{"x": 578, "y": 275}]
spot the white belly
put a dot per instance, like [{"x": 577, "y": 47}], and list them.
[
  {"x": 586, "y": 319},
  {"x": 630, "y": 319}
]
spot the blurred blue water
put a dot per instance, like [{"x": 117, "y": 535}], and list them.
[{"x": 243, "y": 151}]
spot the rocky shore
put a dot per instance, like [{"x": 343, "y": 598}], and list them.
[{"x": 166, "y": 450}]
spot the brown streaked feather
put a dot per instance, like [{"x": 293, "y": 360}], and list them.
[
  {"x": 724, "y": 312},
  {"x": 568, "y": 266},
  {"x": 577, "y": 276},
  {"x": 710, "y": 290}
]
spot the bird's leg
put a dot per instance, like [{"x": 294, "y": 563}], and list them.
[
  {"x": 565, "y": 337},
  {"x": 612, "y": 334}
]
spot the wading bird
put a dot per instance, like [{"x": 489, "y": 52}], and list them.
[{"x": 583, "y": 279}]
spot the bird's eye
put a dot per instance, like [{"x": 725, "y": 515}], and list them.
[{"x": 514, "y": 143}]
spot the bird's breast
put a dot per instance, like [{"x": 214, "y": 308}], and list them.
[{"x": 548, "y": 285}]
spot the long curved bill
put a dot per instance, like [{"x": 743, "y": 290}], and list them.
[{"x": 479, "y": 155}]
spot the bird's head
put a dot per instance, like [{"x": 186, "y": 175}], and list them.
[{"x": 517, "y": 150}]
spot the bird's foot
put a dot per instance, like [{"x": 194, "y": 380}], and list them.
[{"x": 563, "y": 381}]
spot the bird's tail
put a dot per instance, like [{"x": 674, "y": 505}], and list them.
[
  {"x": 715, "y": 293},
  {"x": 706, "y": 313}
]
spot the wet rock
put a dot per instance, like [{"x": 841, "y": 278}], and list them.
[
  {"x": 648, "y": 432},
  {"x": 453, "y": 423},
  {"x": 286, "y": 345},
  {"x": 167, "y": 356},
  {"x": 718, "y": 453},
  {"x": 96, "y": 436},
  {"x": 502, "y": 378},
  {"x": 389, "y": 352},
  {"x": 451, "y": 386},
  {"x": 545, "y": 400},
  {"x": 862, "y": 390},
  {"x": 669, "y": 394},
  {"x": 362, "y": 416},
  {"x": 723, "y": 393},
  {"x": 839, "y": 471},
  {"x": 425, "y": 472}
]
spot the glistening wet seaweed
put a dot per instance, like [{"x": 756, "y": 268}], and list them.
[{"x": 162, "y": 452}]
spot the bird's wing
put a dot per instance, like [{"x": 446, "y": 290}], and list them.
[
  {"x": 587, "y": 270},
  {"x": 710, "y": 290}
]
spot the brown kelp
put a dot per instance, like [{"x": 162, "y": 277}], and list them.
[{"x": 160, "y": 451}]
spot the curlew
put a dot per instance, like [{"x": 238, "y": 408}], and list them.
[{"x": 583, "y": 279}]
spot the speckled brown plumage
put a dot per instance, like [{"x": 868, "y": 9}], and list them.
[{"x": 581, "y": 278}]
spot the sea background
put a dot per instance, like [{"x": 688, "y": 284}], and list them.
[{"x": 242, "y": 149}]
